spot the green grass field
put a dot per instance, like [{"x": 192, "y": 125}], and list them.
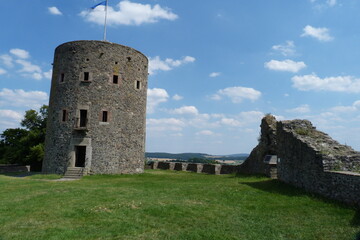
[{"x": 167, "y": 205}]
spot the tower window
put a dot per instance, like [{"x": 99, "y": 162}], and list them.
[
  {"x": 86, "y": 76},
  {"x": 138, "y": 85},
  {"x": 105, "y": 116},
  {"x": 115, "y": 79},
  {"x": 83, "y": 118},
  {"x": 62, "y": 77},
  {"x": 64, "y": 115}
]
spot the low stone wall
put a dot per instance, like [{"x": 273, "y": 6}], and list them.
[
  {"x": 195, "y": 167},
  {"x": 13, "y": 168}
]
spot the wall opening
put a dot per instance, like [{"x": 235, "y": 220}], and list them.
[
  {"x": 83, "y": 118},
  {"x": 138, "y": 84},
  {"x": 115, "y": 79},
  {"x": 64, "y": 115},
  {"x": 80, "y": 156},
  {"x": 62, "y": 77},
  {"x": 86, "y": 76},
  {"x": 105, "y": 116}
]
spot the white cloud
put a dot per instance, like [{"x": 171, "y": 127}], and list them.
[
  {"x": 21, "y": 98},
  {"x": 129, "y": 13},
  {"x": 237, "y": 94},
  {"x": 335, "y": 84},
  {"x": 177, "y": 97},
  {"x": 305, "y": 108},
  {"x": 321, "y": 34},
  {"x": 192, "y": 110},
  {"x": 48, "y": 74},
  {"x": 20, "y": 53},
  {"x": 331, "y": 3},
  {"x": 28, "y": 66},
  {"x": 9, "y": 119},
  {"x": 346, "y": 109},
  {"x": 2, "y": 71},
  {"x": 54, "y": 11},
  {"x": 155, "y": 96},
  {"x": 165, "y": 124},
  {"x": 230, "y": 122},
  {"x": 286, "y": 65},
  {"x": 205, "y": 133},
  {"x": 7, "y": 60},
  {"x": 156, "y": 64},
  {"x": 214, "y": 74},
  {"x": 287, "y": 49}
]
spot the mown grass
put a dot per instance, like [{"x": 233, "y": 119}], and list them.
[{"x": 167, "y": 205}]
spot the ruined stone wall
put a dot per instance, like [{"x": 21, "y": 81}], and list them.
[
  {"x": 307, "y": 158},
  {"x": 97, "y": 77},
  {"x": 254, "y": 164}
]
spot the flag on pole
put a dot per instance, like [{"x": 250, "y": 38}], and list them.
[{"x": 101, "y": 3}]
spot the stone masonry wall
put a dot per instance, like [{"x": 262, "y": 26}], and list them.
[
  {"x": 196, "y": 167},
  {"x": 308, "y": 158}
]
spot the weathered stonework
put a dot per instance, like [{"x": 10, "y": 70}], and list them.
[
  {"x": 254, "y": 164},
  {"x": 196, "y": 167},
  {"x": 310, "y": 159},
  {"x": 97, "y": 109}
]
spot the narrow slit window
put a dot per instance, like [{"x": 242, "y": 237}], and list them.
[
  {"x": 64, "y": 115},
  {"x": 86, "y": 76},
  {"x": 62, "y": 77},
  {"x": 105, "y": 116},
  {"x": 115, "y": 79},
  {"x": 138, "y": 84},
  {"x": 83, "y": 118}
]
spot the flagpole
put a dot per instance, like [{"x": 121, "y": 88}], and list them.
[{"x": 106, "y": 7}]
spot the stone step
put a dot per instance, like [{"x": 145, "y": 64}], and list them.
[{"x": 74, "y": 173}]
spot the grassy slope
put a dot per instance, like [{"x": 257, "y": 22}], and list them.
[{"x": 167, "y": 205}]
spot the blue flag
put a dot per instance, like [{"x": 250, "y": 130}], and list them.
[{"x": 102, "y": 3}]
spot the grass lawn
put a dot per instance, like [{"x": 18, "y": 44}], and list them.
[{"x": 167, "y": 205}]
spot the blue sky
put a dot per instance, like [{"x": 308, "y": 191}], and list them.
[{"x": 216, "y": 67}]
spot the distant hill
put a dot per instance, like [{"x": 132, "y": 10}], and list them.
[{"x": 187, "y": 156}]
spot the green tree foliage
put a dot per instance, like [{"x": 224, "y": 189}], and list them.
[{"x": 25, "y": 146}]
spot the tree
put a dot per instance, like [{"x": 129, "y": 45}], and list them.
[{"x": 25, "y": 146}]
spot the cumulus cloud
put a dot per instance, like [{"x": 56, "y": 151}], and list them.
[
  {"x": 334, "y": 84},
  {"x": 230, "y": 122},
  {"x": 177, "y": 97},
  {"x": 345, "y": 109},
  {"x": 155, "y": 96},
  {"x": 164, "y": 124},
  {"x": 2, "y": 71},
  {"x": 286, "y": 65},
  {"x": 287, "y": 49},
  {"x": 129, "y": 13},
  {"x": 7, "y": 60},
  {"x": 54, "y": 11},
  {"x": 214, "y": 74},
  {"x": 321, "y": 34},
  {"x": 20, "y": 58},
  {"x": 9, "y": 119},
  {"x": 20, "y": 53},
  {"x": 156, "y": 64},
  {"x": 237, "y": 94},
  {"x": 205, "y": 133},
  {"x": 21, "y": 98},
  {"x": 192, "y": 110},
  {"x": 305, "y": 108}
]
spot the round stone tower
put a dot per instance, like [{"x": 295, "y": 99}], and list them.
[{"x": 97, "y": 109}]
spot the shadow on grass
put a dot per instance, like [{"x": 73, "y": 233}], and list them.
[
  {"x": 20, "y": 174},
  {"x": 355, "y": 222}
]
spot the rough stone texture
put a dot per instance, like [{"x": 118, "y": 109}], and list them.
[
  {"x": 195, "y": 167},
  {"x": 254, "y": 164},
  {"x": 307, "y": 156},
  {"x": 112, "y": 147}
]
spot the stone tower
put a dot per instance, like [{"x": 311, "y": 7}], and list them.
[{"x": 97, "y": 109}]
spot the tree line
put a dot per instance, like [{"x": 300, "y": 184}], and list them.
[{"x": 25, "y": 146}]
